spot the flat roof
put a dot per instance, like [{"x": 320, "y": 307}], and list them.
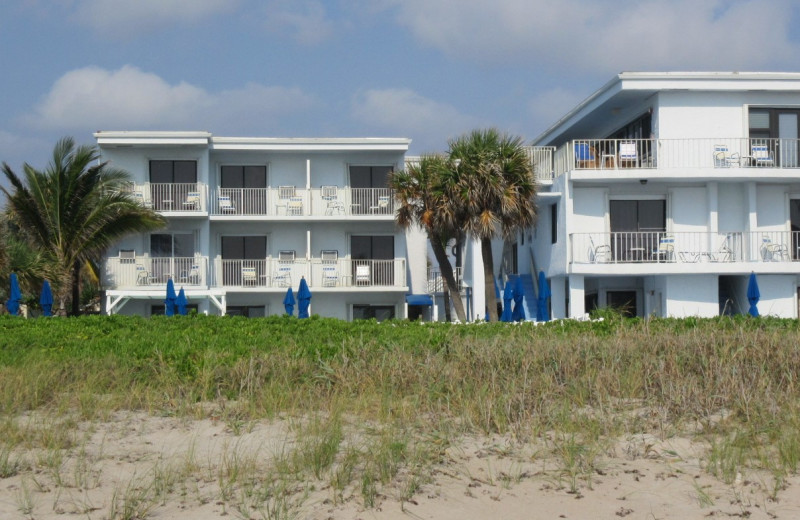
[{"x": 179, "y": 138}]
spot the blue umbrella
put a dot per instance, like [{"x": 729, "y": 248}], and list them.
[
  {"x": 46, "y": 299},
  {"x": 181, "y": 302},
  {"x": 544, "y": 295},
  {"x": 169, "y": 303},
  {"x": 14, "y": 297},
  {"x": 288, "y": 302},
  {"x": 519, "y": 294},
  {"x": 303, "y": 299},
  {"x": 508, "y": 295},
  {"x": 753, "y": 294}
]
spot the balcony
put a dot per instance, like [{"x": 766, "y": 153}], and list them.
[
  {"x": 290, "y": 201},
  {"x": 684, "y": 247},
  {"x": 319, "y": 273},
  {"x": 436, "y": 281},
  {"x": 131, "y": 272},
  {"x": 187, "y": 198},
  {"x": 670, "y": 154}
]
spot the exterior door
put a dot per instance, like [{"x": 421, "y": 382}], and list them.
[
  {"x": 636, "y": 226},
  {"x": 373, "y": 259},
  {"x": 243, "y": 251}
]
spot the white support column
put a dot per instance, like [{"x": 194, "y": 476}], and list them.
[
  {"x": 712, "y": 193},
  {"x": 308, "y": 174},
  {"x": 577, "y": 305},
  {"x": 478, "y": 282},
  {"x": 558, "y": 299}
]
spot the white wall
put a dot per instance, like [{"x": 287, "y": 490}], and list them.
[
  {"x": 692, "y": 295},
  {"x": 772, "y": 208},
  {"x": 778, "y": 295}
]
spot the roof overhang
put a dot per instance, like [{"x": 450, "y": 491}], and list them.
[
  {"x": 284, "y": 144},
  {"x": 110, "y": 139},
  {"x": 634, "y": 88}
]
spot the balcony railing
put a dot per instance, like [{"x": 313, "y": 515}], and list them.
[
  {"x": 703, "y": 153},
  {"x": 168, "y": 197},
  {"x": 271, "y": 272},
  {"x": 685, "y": 247},
  {"x": 436, "y": 281},
  {"x": 541, "y": 158},
  {"x": 146, "y": 272},
  {"x": 297, "y": 202}
]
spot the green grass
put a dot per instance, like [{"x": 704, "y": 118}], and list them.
[{"x": 416, "y": 387}]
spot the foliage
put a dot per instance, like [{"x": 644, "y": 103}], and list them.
[{"x": 73, "y": 210}]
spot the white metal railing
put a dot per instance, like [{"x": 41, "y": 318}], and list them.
[
  {"x": 541, "y": 158},
  {"x": 189, "y": 197},
  {"x": 293, "y": 202},
  {"x": 272, "y": 272},
  {"x": 599, "y": 154},
  {"x": 144, "y": 272},
  {"x": 436, "y": 281},
  {"x": 656, "y": 247}
]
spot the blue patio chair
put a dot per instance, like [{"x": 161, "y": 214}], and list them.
[{"x": 585, "y": 156}]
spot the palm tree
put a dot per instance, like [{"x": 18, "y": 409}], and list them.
[
  {"x": 492, "y": 180},
  {"x": 74, "y": 210},
  {"x": 423, "y": 201}
]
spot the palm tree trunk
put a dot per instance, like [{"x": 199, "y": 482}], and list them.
[
  {"x": 76, "y": 289},
  {"x": 449, "y": 279},
  {"x": 488, "y": 277},
  {"x": 448, "y": 316}
]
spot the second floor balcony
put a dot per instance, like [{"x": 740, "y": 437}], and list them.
[
  {"x": 290, "y": 201},
  {"x": 661, "y": 247}
]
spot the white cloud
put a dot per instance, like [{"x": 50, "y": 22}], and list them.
[
  {"x": 403, "y": 112},
  {"x": 129, "y": 98},
  {"x": 123, "y": 18},
  {"x": 306, "y": 21},
  {"x": 600, "y": 35}
]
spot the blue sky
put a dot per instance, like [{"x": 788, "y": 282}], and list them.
[{"x": 425, "y": 69}]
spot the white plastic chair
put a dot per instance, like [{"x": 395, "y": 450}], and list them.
[{"x": 225, "y": 204}]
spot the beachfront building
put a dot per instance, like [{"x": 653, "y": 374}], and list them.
[
  {"x": 662, "y": 192},
  {"x": 250, "y": 217}
]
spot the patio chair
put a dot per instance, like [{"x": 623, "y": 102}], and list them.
[
  {"x": 142, "y": 196},
  {"x": 723, "y": 158},
  {"x": 599, "y": 254},
  {"x": 191, "y": 276},
  {"x": 725, "y": 251},
  {"x": 382, "y": 206},
  {"x": 143, "y": 276},
  {"x": 628, "y": 155},
  {"x": 330, "y": 194},
  {"x": 282, "y": 276},
  {"x": 363, "y": 275},
  {"x": 330, "y": 276},
  {"x": 772, "y": 252},
  {"x": 294, "y": 206},
  {"x": 249, "y": 276},
  {"x": 666, "y": 249},
  {"x": 761, "y": 155},
  {"x": 585, "y": 156},
  {"x": 225, "y": 205},
  {"x": 192, "y": 200}
]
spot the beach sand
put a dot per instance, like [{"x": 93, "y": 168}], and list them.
[{"x": 137, "y": 466}]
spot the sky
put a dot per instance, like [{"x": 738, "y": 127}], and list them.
[{"x": 429, "y": 70}]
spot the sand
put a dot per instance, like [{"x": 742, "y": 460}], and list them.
[{"x": 136, "y": 466}]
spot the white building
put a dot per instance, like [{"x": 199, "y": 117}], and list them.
[
  {"x": 249, "y": 217},
  {"x": 667, "y": 191}
]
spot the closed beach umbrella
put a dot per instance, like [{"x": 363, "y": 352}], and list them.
[
  {"x": 508, "y": 295},
  {"x": 288, "y": 302},
  {"x": 14, "y": 296},
  {"x": 181, "y": 302},
  {"x": 544, "y": 295},
  {"x": 303, "y": 299},
  {"x": 519, "y": 296},
  {"x": 169, "y": 303},
  {"x": 753, "y": 294},
  {"x": 46, "y": 299}
]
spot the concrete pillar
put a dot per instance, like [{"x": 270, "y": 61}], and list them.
[
  {"x": 577, "y": 306},
  {"x": 478, "y": 296},
  {"x": 558, "y": 297}
]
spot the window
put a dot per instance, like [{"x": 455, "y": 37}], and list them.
[
  {"x": 377, "y": 312},
  {"x": 172, "y": 254},
  {"x": 173, "y": 172},
  {"x": 243, "y": 251},
  {"x": 368, "y": 184},
  {"x": 636, "y": 228},
  {"x": 639, "y": 128},
  {"x": 243, "y": 177},
  {"x": 372, "y": 259},
  {"x": 554, "y": 223},
  {"x": 249, "y": 311},
  {"x": 778, "y": 129},
  {"x": 158, "y": 310}
]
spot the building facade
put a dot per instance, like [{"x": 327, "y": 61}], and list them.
[
  {"x": 662, "y": 192},
  {"x": 249, "y": 217}
]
